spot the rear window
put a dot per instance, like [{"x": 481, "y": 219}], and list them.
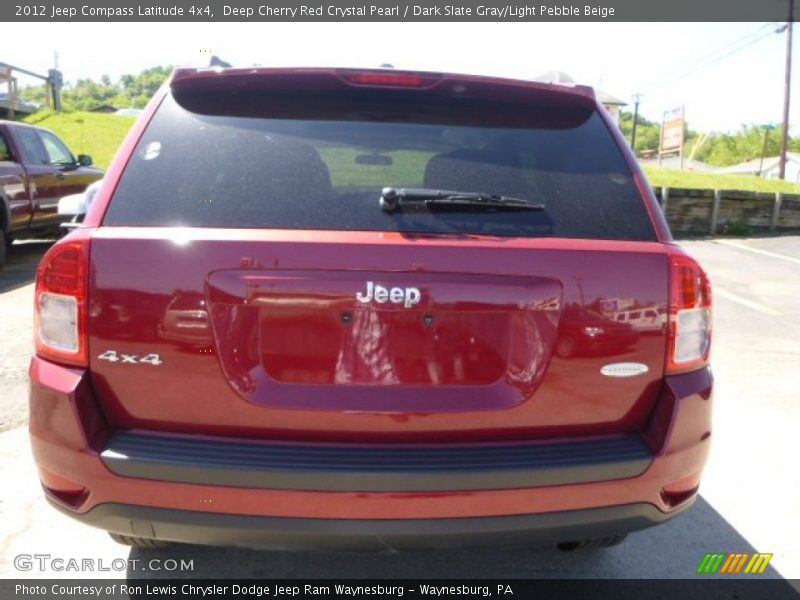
[{"x": 312, "y": 168}]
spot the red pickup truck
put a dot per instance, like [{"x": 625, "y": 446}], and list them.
[
  {"x": 36, "y": 170},
  {"x": 333, "y": 309}
]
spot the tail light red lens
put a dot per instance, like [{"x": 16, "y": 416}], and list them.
[
  {"x": 680, "y": 491},
  {"x": 60, "y": 303},
  {"x": 389, "y": 79},
  {"x": 689, "y": 327}
]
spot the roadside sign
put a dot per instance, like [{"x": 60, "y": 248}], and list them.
[{"x": 672, "y": 128}]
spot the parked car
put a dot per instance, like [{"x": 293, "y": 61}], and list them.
[
  {"x": 645, "y": 319},
  {"x": 36, "y": 170},
  {"x": 585, "y": 331},
  {"x": 75, "y": 206},
  {"x": 379, "y": 264}
]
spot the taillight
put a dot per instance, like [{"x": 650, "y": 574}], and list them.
[
  {"x": 60, "y": 303},
  {"x": 388, "y": 79},
  {"x": 689, "y": 326}
]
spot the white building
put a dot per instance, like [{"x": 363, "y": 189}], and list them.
[{"x": 769, "y": 168}]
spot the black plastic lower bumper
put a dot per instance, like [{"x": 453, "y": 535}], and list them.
[
  {"x": 369, "y": 534},
  {"x": 375, "y": 467}
]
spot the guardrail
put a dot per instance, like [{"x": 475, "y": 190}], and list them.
[{"x": 711, "y": 212}]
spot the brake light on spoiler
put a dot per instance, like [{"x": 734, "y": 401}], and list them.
[{"x": 389, "y": 79}]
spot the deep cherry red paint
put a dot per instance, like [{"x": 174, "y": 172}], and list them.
[
  {"x": 574, "y": 397},
  {"x": 68, "y": 431},
  {"x": 260, "y": 337}
]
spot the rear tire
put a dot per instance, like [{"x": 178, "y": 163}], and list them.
[
  {"x": 592, "y": 544},
  {"x": 566, "y": 346},
  {"x": 138, "y": 542}
]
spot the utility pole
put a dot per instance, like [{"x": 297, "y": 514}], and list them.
[
  {"x": 786, "y": 91},
  {"x": 767, "y": 129},
  {"x": 637, "y": 98},
  {"x": 56, "y": 81}
]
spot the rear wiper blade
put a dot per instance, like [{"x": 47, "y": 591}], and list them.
[{"x": 393, "y": 199}]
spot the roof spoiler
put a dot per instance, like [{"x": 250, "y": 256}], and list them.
[{"x": 209, "y": 79}]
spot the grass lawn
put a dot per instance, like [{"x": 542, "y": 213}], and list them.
[
  {"x": 407, "y": 168},
  {"x": 695, "y": 180},
  {"x": 96, "y": 134}
]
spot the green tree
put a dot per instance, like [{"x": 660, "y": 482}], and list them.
[
  {"x": 748, "y": 143},
  {"x": 86, "y": 94},
  {"x": 719, "y": 149},
  {"x": 648, "y": 133},
  {"x": 140, "y": 88}
]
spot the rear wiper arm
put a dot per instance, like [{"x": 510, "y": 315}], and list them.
[{"x": 393, "y": 199}]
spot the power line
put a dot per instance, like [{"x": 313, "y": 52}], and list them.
[
  {"x": 724, "y": 56},
  {"x": 744, "y": 38},
  {"x": 711, "y": 58},
  {"x": 726, "y": 49}
]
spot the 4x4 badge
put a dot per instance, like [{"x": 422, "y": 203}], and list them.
[
  {"x": 408, "y": 297},
  {"x": 132, "y": 359}
]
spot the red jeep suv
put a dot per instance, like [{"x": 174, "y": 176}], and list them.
[{"x": 322, "y": 308}]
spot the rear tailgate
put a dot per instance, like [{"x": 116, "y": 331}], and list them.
[
  {"x": 276, "y": 339},
  {"x": 245, "y": 281}
]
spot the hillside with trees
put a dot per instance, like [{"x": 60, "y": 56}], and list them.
[
  {"x": 131, "y": 91},
  {"x": 720, "y": 149}
]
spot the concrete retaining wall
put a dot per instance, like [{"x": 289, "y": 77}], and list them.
[{"x": 701, "y": 212}]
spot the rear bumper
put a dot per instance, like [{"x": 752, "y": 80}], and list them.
[
  {"x": 69, "y": 438},
  {"x": 369, "y": 534},
  {"x": 374, "y": 467}
]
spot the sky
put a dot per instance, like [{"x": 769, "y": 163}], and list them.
[{"x": 725, "y": 74}]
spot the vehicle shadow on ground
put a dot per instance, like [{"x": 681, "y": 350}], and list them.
[
  {"x": 21, "y": 262},
  {"x": 671, "y": 551}
]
